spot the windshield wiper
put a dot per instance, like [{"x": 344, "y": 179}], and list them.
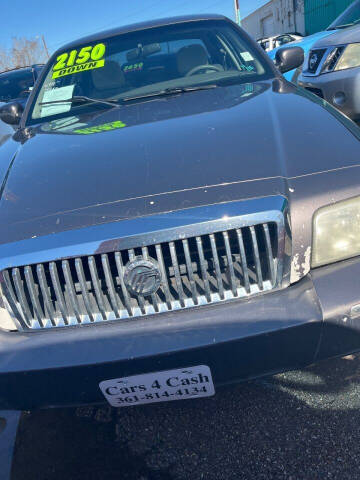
[
  {"x": 345, "y": 25},
  {"x": 82, "y": 99},
  {"x": 339, "y": 27},
  {"x": 116, "y": 103},
  {"x": 168, "y": 91}
]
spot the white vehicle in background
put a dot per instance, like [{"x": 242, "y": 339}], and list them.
[{"x": 269, "y": 43}]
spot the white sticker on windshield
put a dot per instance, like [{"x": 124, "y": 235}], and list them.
[
  {"x": 247, "y": 57},
  {"x": 55, "y": 94}
]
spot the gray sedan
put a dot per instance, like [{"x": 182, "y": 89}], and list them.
[{"x": 332, "y": 70}]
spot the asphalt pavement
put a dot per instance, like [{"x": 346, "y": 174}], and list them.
[{"x": 298, "y": 425}]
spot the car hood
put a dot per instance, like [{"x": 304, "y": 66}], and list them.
[
  {"x": 340, "y": 37},
  {"x": 166, "y": 154}
]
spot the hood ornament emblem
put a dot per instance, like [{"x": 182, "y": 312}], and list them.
[{"x": 142, "y": 277}]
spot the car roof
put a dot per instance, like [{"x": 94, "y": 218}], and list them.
[
  {"x": 14, "y": 70},
  {"x": 141, "y": 26},
  {"x": 19, "y": 69}
]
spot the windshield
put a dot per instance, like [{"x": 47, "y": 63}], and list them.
[
  {"x": 15, "y": 84},
  {"x": 350, "y": 17},
  {"x": 144, "y": 63}
]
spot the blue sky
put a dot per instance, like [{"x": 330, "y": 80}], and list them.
[{"x": 66, "y": 20}]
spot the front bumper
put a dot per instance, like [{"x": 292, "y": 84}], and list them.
[
  {"x": 343, "y": 85},
  {"x": 238, "y": 340}
]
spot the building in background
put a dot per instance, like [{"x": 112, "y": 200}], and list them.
[{"x": 284, "y": 16}]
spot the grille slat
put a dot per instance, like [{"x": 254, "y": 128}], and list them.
[
  {"x": 48, "y": 306},
  {"x": 203, "y": 267},
  {"x": 190, "y": 271},
  {"x": 141, "y": 300},
  {"x": 120, "y": 270},
  {"x": 33, "y": 295},
  {"x": 19, "y": 288},
  {"x": 217, "y": 266},
  {"x": 97, "y": 286},
  {"x": 110, "y": 284},
  {"x": 165, "y": 281},
  {"x": 243, "y": 260},
  {"x": 257, "y": 257},
  {"x": 175, "y": 265},
  {"x": 70, "y": 289},
  {"x": 84, "y": 290},
  {"x": 269, "y": 252},
  {"x": 154, "y": 299},
  {"x": 332, "y": 59},
  {"x": 58, "y": 292},
  {"x": 14, "y": 304},
  {"x": 230, "y": 263},
  {"x": 194, "y": 271}
]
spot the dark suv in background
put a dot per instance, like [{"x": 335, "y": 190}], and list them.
[{"x": 16, "y": 84}]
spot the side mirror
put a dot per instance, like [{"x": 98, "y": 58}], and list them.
[
  {"x": 289, "y": 58},
  {"x": 11, "y": 113}
]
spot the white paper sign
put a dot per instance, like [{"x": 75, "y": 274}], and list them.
[
  {"x": 164, "y": 386},
  {"x": 61, "y": 93},
  {"x": 247, "y": 57}
]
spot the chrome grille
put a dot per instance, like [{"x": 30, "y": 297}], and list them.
[
  {"x": 195, "y": 271},
  {"x": 332, "y": 59}
]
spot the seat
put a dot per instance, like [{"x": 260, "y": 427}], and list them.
[
  {"x": 109, "y": 78},
  {"x": 190, "y": 57}
]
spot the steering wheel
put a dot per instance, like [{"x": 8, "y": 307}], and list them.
[{"x": 198, "y": 68}]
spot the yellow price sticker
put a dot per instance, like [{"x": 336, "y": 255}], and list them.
[
  {"x": 76, "y": 61},
  {"x": 105, "y": 127}
]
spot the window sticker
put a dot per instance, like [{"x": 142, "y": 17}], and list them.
[
  {"x": 62, "y": 93},
  {"x": 77, "y": 61},
  {"x": 247, "y": 68},
  {"x": 136, "y": 67},
  {"x": 247, "y": 57},
  {"x": 105, "y": 127}
]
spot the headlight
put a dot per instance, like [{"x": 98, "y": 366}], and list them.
[
  {"x": 6, "y": 320},
  {"x": 350, "y": 57},
  {"x": 336, "y": 233}
]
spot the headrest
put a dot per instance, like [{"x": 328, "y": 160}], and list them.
[
  {"x": 108, "y": 77},
  {"x": 190, "y": 57}
]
